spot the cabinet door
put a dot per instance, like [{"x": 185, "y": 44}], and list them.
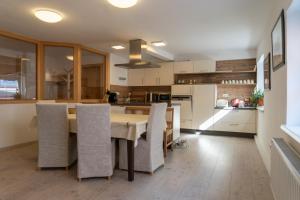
[
  {"x": 201, "y": 66},
  {"x": 183, "y": 67},
  {"x": 166, "y": 74},
  {"x": 181, "y": 90},
  {"x": 151, "y": 77},
  {"x": 135, "y": 77},
  {"x": 203, "y": 106}
]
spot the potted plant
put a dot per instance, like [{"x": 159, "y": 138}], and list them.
[{"x": 257, "y": 97}]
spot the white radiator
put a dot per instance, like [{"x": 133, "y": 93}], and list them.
[{"x": 285, "y": 171}]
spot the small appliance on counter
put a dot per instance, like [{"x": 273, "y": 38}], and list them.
[
  {"x": 222, "y": 103},
  {"x": 113, "y": 97}
]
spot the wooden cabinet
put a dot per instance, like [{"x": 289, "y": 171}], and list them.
[
  {"x": 183, "y": 67},
  {"x": 201, "y": 66},
  {"x": 166, "y": 74},
  {"x": 135, "y": 77}
]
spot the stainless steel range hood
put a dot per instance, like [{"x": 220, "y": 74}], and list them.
[{"x": 140, "y": 57}]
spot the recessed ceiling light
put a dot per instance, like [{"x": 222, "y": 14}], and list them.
[
  {"x": 49, "y": 16},
  {"x": 118, "y": 47},
  {"x": 123, "y": 3},
  {"x": 158, "y": 44},
  {"x": 71, "y": 58}
]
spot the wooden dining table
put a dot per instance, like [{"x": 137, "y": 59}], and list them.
[{"x": 128, "y": 127}]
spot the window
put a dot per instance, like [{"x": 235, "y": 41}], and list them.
[
  {"x": 260, "y": 73},
  {"x": 92, "y": 75},
  {"x": 293, "y": 66},
  {"x": 17, "y": 69},
  {"x": 59, "y": 68}
]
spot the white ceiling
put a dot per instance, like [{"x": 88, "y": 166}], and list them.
[{"x": 220, "y": 29}]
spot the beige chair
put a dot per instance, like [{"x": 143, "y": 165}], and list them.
[
  {"x": 56, "y": 148},
  {"x": 149, "y": 152},
  {"x": 96, "y": 151}
]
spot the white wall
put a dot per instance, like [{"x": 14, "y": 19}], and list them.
[
  {"x": 275, "y": 99},
  {"x": 16, "y": 124},
  {"x": 116, "y": 72}
]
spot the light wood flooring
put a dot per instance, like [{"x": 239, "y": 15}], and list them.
[{"x": 210, "y": 168}]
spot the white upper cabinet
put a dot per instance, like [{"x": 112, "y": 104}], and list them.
[
  {"x": 135, "y": 77},
  {"x": 166, "y": 74},
  {"x": 183, "y": 67},
  {"x": 201, "y": 66},
  {"x": 151, "y": 77}
]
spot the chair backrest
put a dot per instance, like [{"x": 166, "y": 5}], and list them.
[
  {"x": 156, "y": 123},
  {"x": 93, "y": 124},
  {"x": 53, "y": 126}
]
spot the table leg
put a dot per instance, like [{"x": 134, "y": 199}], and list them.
[{"x": 130, "y": 159}]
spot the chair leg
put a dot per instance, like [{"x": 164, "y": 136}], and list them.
[
  {"x": 79, "y": 180},
  {"x": 109, "y": 178},
  {"x": 38, "y": 168},
  {"x": 165, "y": 144},
  {"x": 67, "y": 168}
]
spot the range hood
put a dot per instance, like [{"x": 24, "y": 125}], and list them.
[{"x": 142, "y": 56}]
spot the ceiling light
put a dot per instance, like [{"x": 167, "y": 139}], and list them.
[
  {"x": 48, "y": 16},
  {"x": 122, "y": 3},
  {"x": 159, "y": 44},
  {"x": 71, "y": 58},
  {"x": 118, "y": 47}
]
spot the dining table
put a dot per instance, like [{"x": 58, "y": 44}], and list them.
[{"x": 128, "y": 127}]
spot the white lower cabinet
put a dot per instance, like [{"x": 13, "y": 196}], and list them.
[
  {"x": 235, "y": 121},
  {"x": 186, "y": 123}
]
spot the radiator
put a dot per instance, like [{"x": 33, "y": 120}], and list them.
[{"x": 285, "y": 171}]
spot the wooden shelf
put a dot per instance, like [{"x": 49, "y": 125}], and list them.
[{"x": 214, "y": 77}]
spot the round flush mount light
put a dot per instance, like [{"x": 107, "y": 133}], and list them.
[
  {"x": 49, "y": 16},
  {"x": 123, "y": 3}
]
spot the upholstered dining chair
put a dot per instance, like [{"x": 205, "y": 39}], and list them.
[
  {"x": 148, "y": 154},
  {"x": 96, "y": 150},
  {"x": 56, "y": 148}
]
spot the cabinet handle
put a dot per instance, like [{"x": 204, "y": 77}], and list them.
[{"x": 233, "y": 124}]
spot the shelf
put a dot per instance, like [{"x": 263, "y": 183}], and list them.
[
  {"x": 252, "y": 84},
  {"x": 219, "y": 72}
]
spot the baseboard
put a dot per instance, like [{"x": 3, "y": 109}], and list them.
[
  {"x": 16, "y": 146},
  {"x": 229, "y": 134}
]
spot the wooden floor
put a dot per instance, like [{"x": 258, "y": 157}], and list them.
[{"x": 211, "y": 167}]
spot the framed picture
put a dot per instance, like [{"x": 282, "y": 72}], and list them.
[
  {"x": 267, "y": 72},
  {"x": 278, "y": 43}
]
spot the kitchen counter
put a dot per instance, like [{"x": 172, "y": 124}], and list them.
[
  {"x": 140, "y": 104},
  {"x": 234, "y": 108}
]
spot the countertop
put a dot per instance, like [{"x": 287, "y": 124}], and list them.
[
  {"x": 234, "y": 108},
  {"x": 140, "y": 104}
]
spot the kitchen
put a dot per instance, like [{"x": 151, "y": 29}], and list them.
[
  {"x": 149, "y": 99},
  {"x": 214, "y": 96}
]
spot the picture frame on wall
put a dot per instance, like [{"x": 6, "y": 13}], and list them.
[
  {"x": 267, "y": 72},
  {"x": 278, "y": 43}
]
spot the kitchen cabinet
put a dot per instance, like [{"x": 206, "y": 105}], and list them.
[
  {"x": 135, "y": 77},
  {"x": 203, "y": 106},
  {"x": 151, "y": 76},
  {"x": 235, "y": 120},
  {"x": 166, "y": 74},
  {"x": 202, "y": 66},
  {"x": 182, "y": 89},
  {"x": 183, "y": 67}
]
